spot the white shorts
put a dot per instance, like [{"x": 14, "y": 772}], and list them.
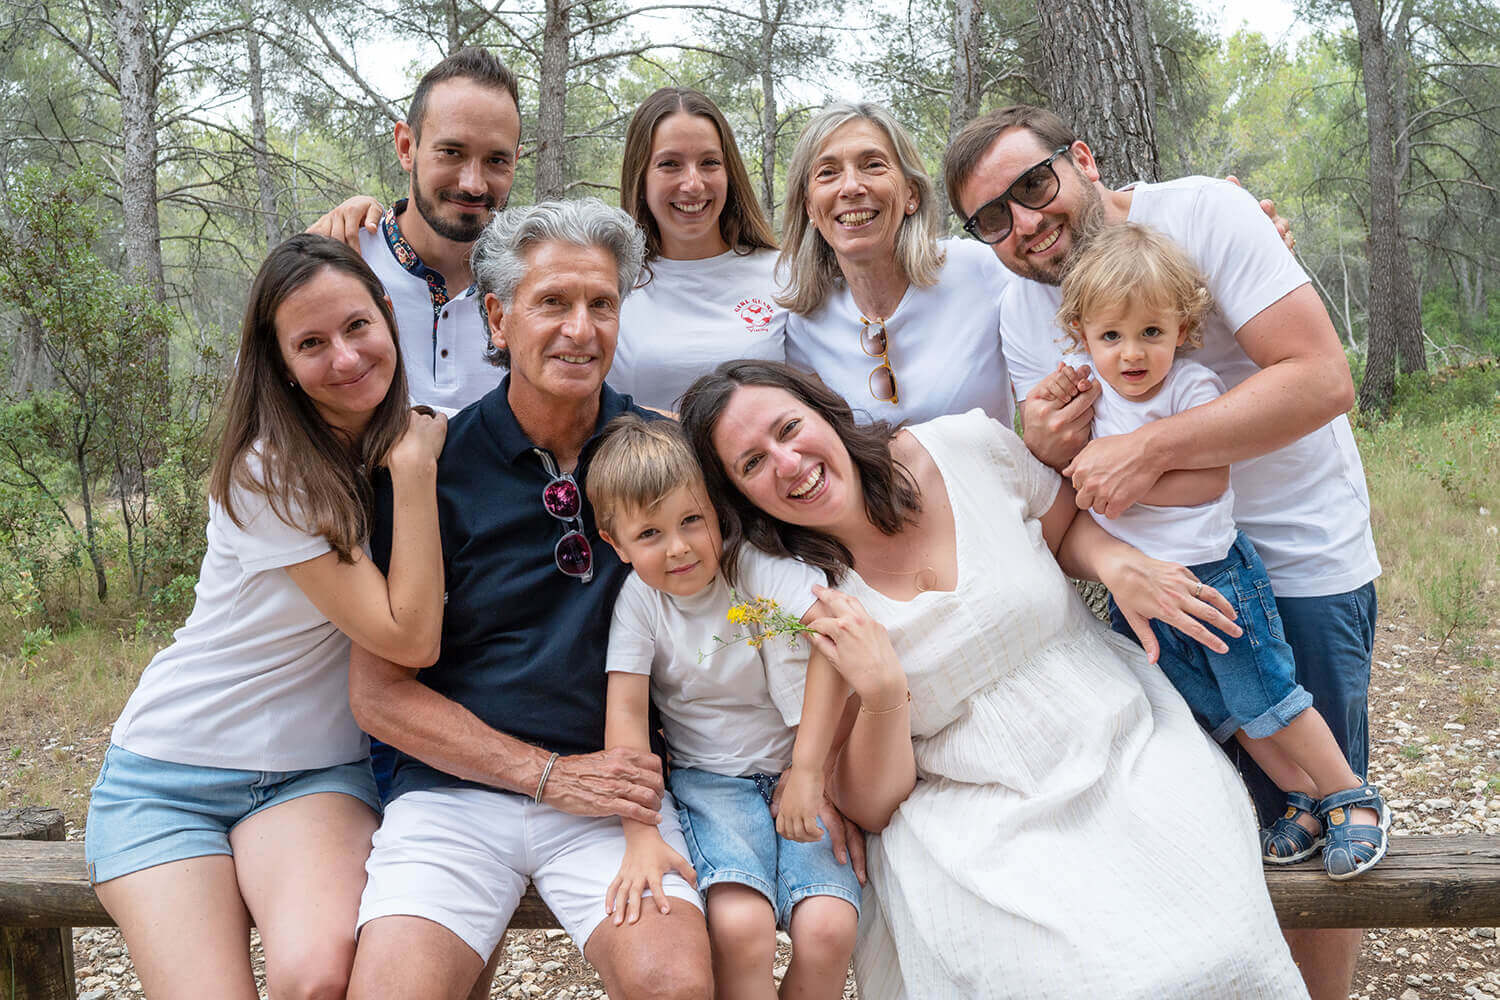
[{"x": 461, "y": 858}]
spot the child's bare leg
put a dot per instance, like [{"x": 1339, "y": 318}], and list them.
[
  {"x": 822, "y": 932},
  {"x": 742, "y": 939},
  {"x": 1285, "y": 772},
  {"x": 1307, "y": 755}
]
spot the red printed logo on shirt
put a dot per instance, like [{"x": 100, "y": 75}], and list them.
[{"x": 756, "y": 313}]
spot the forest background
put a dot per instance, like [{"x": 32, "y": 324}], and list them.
[{"x": 152, "y": 150}]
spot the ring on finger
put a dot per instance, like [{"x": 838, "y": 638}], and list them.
[{"x": 1198, "y": 590}]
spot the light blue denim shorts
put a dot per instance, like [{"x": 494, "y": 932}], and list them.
[
  {"x": 732, "y": 838},
  {"x": 145, "y": 812}
]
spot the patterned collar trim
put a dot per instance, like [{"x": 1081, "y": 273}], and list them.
[{"x": 407, "y": 257}]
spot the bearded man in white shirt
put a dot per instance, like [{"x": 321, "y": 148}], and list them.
[{"x": 1031, "y": 189}]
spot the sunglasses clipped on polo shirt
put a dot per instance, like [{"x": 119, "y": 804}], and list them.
[
  {"x": 1034, "y": 189},
  {"x": 564, "y": 500}
]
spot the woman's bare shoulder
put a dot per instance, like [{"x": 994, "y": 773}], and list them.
[{"x": 911, "y": 453}]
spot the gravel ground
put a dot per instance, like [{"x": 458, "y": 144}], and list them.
[{"x": 1435, "y": 750}]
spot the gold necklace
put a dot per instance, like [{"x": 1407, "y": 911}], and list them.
[{"x": 925, "y": 577}]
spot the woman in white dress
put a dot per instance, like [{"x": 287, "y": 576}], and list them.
[
  {"x": 1046, "y": 818},
  {"x": 708, "y": 291}
]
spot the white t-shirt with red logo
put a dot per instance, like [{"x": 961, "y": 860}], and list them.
[
  {"x": 943, "y": 343},
  {"x": 689, "y": 316}
]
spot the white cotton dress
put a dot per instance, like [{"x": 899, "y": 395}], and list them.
[{"x": 1072, "y": 833}]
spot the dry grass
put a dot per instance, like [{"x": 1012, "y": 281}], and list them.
[
  {"x": 1435, "y": 498},
  {"x": 56, "y": 710}
]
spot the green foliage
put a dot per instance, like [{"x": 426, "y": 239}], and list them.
[
  {"x": 1429, "y": 397},
  {"x": 1470, "y": 321},
  {"x": 1434, "y": 477},
  {"x": 93, "y": 445},
  {"x": 33, "y": 642}
]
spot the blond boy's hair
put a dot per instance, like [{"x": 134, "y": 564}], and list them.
[
  {"x": 1132, "y": 262},
  {"x": 637, "y": 464}
]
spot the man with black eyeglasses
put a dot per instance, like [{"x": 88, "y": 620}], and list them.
[
  {"x": 502, "y": 777},
  {"x": 1026, "y": 185}
]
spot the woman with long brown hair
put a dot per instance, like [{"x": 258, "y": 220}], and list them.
[
  {"x": 237, "y": 787},
  {"x": 708, "y": 291}
]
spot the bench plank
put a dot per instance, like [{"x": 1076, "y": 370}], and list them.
[
  {"x": 1430, "y": 881},
  {"x": 1442, "y": 881},
  {"x": 36, "y": 963},
  {"x": 47, "y": 885}
]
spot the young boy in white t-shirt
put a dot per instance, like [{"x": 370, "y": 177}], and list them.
[
  {"x": 730, "y": 693},
  {"x": 1134, "y": 300}
]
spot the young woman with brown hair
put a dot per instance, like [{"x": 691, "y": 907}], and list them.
[
  {"x": 237, "y": 786},
  {"x": 707, "y": 293}
]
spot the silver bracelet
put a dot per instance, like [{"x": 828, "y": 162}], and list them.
[{"x": 537, "y": 798}]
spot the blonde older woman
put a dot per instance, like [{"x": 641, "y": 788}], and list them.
[{"x": 903, "y": 325}]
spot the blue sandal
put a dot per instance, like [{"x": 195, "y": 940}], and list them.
[
  {"x": 1352, "y": 848},
  {"x": 1286, "y": 841}
]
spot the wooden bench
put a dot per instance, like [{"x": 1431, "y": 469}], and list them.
[{"x": 1448, "y": 881}]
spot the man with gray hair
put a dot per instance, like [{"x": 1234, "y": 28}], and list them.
[{"x": 502, "y": 776}]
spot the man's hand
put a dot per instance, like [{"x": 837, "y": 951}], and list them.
[
  {"x": 620, "y": 782},
  {"x": 344, "y": 221},
  {"x": 1111, "y": 474},
  {"x": 1057, "y": 430}
]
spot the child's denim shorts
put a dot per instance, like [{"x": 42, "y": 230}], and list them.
[
  {"x": 732, "y": 838},
  {"x": 1253, "y": 686},
  {"x": 145, "y": 812}
]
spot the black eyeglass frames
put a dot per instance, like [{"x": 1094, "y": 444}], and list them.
[{"x": 1035, "y": 188}]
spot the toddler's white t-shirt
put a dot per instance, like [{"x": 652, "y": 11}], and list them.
[
  {"x": 1188, "y": 535},
  {"x": 730, "y": 711},
  {"x": 258, "y": 678}
]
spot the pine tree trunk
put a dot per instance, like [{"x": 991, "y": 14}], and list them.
[
  {"x": 963, "y": 98},
  {"x": 137, "y": 76},
  {"x": 1096, "y": 70},
  {"x": 1384, "y": 244},
  {"x": 768, "y": 25},
  {"x": 265, "y": 182},
  {"x": 450, "y": 15},
  {"x": 552, "y": 109},
  {"x": 1411, "y": 349}
]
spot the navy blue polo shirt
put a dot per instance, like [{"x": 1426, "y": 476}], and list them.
[{"x": 523, "y": 644}]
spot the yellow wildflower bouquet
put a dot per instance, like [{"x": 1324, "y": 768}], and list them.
[{"x": 762, "y": 619}]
